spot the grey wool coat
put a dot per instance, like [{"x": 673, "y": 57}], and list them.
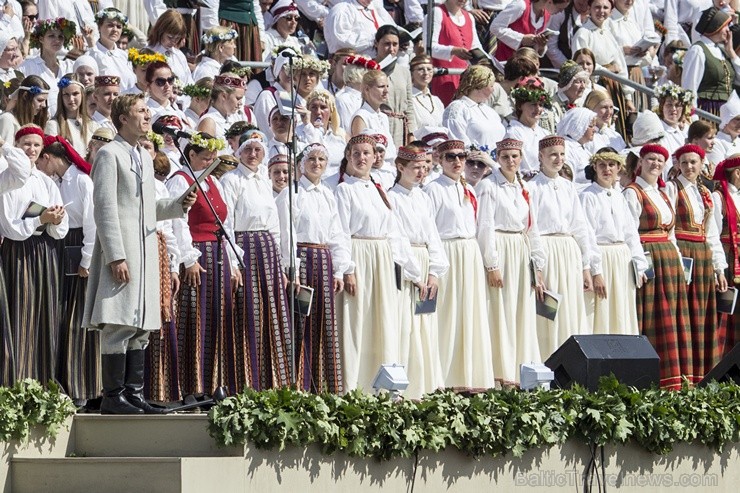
[{"x": 126, "y": 214}]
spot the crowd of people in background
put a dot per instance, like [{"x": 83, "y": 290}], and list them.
[{"x": 487, "y": 155}]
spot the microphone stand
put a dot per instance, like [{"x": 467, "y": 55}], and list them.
[{"x": 220, "y": 235}]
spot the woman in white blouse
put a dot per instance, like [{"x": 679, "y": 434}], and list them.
[
  {"x": 112, "y": 60},
  {"x": 569, "y": 246},
  {"x": 226, "y": 102},
  {"x": 428, "y": 108},
  {"x": 662, "y": 311},
  {"x": 209, "y": 272},
  {"x": 419, "y": 336},
  {"x": 324, "y": 127},
  {"x": 50, "y": 37},
  {"x": 219, "y": 45},
  {"x": 464, "y": 336},
  {"x": 368, "y": 317},
  {"x": 601, "y": 103},
  {"x": 323, "y": 251},
  {"x": 72, "y": 121},
  {"x": 596, "y": 35},
  {"x": 263, "y": 330},
  {"x": 577, "y": 127},
  {"x": 469, "y": 117},
  {"x": 697, "y": 237},
  {"x": 31, "y": 264},
  {"x": 369, "y": 117},
  {"x": 160, "y": 85},
  {"x": 165, "y": 36},
  {"x": 79, "y": 349},
  {"x": 530, "y": 102},
  {"x": 32, "y": 96},
  {"x": 612, "y": 305},
  {"x": 674, "y": 110},
  {"x": 510, "y": 244}
]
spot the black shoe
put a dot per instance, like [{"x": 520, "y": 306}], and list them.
[
  {"x": 113, "y": 368},
  {"x": 135, "y": 383}
]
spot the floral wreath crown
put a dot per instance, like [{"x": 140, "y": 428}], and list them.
[
  {"x": 196, "y": 91},
  {"x": 215, "y": 38},
  {"x": 137, "y": 58},
  {"x": 215, "y": 144},
  {"x": 311, "y": 63},
  {"x": 491, "y": 151},
  {"x": 155, "y": 139},
  {"x": 532, "y": 95},
  {"x": 68, "y": 28},
  {"x": 111, "y": 14},
  {"x": 671, "y": 90}
]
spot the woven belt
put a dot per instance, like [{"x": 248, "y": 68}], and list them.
[{"x": 313, "y": 245}]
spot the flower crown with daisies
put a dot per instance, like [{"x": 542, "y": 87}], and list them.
[
  {"x": 112, "y": 14},
  {"x": 196, "y": 91},
  {"x": 311, "y": 63},
  {"x": 532, "y": 95},
  {"x": 68, "y": 28},
  {"x": 215, "y": 144},
  {"x": 671, "y": 90},
  {"x": 155, "y": 139},
  {"x": 137, "y": 58},
  {"x": 215, "y": 38}
]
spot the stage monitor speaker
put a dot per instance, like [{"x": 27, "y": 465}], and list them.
[
  {"x": 727, "y": 370},
  {"x": 583, "y": 359}
]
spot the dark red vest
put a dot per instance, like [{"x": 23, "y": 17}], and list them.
[{"x": 200, "y": 218}]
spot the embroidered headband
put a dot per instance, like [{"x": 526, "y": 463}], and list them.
[
  {"x": 509, "y": 145},
  {"x": 411, "y": 154},
  {"x": 551, "y": 140},
  {"x": 451, "y": 144},
  {"x": 228, "y": 81},
  {"x": 107, "y": 80}
]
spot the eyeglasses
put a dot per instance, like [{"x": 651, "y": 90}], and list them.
[
  {"x": 161, "y": 81},
  {"x": 291, "y": 18},
  {"x": 451, "y": 156},
  {"x": 476, "y": 164}
]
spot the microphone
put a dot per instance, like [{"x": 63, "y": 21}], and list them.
[
  {"x": 161, "y": 129},
  {"x": 288, "y": 54},
  {"x": 447, "y": 71}
]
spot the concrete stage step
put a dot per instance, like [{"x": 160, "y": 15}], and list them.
[
  {"x": 176, "y": 435},
  {"x": 128, "y": 474}
]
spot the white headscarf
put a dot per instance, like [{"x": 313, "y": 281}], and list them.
[{"x": 575, "y": 122}]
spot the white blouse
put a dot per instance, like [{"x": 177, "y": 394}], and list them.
[
  {"x": 377, "y": 122},
  {"x": 559, "y": 212},
  {"x": 363, "y": 214},
  {"x": 453, "y": 212},
  {"x": 208, "y": 67},
  {"x": 334, "y": 143},
  {"x": 37, "y": 66},
  {"x": 605, "y": 137},
  {"x": 348, "y": 101},
  {"x": 165, "y": 227},
  {"x": 315, "y": 220},
  {"x": 75, "y": 133},
  {"x": 114, "y": 62},
  {"x": 76, "y": 189},
  {"x": 428, "y": 108},
  {"x": 577, "y": 157},
  {"x": 413, "y": 210},
  {"x": 189, "y": 255},
  {"x": 607, "y": 213},
  {"x": 473, "y": 123},
  {"x": 502, "y": 207},
  {"x": 177, "y": 61},
  {"x": 719, "y": 260},
  {"x": 38, "y": 188},
  {"x": 601, "y": 41},
  {"x": 531, "y": 149},
  {"x": 249, "y": 198}
]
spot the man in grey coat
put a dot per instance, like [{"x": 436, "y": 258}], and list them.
[{"x": 123, "y": 287}]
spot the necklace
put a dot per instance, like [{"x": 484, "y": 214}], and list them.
[{"x": 421, "y": 99}]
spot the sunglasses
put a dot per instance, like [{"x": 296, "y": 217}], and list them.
[
  {"x": 32, "y": 18},
  {"x": 291, "y": 18},
  {"x": 451, "y": 156},
  {"x": 476, "y": 164},
  {"x": 161, "y": 81}
]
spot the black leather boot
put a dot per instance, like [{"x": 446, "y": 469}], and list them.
[
  {"x": 135, "y": 383},
  {"x": 113, "y": 368}
]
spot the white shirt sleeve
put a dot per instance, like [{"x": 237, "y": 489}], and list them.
[
  {"x": 188, "y": 254},
  {"x": 18, "y": 170},
  {"x": 209, "y": 14},
  {"x": 500, "y": 25},
  {"x": 693, "y": 67},
  {"x": 312, "y": 9}
]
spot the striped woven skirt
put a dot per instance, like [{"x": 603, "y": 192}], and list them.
[
  {"x": 709, "y": 105},
  {"x": 563, "y": 274},
  {"x": 464, "y": 335},
  {"x": 32, "y": 282},
  {"x": 320, "y": 363},
  {"x": 7, "y": 364},
  {"x": 728, "y": 329},
  {"x": 511, "y": 310},
  {"x": 205, "y": 335},
  {"x": 78, "y": 369},
  {"x": 368, "y": 321},
  {"x": 617, "y": 314},
  {"x": 663, "y": 315},
  {"x": 263, "y": 338},
  {"x": 702, "y": 301},
  {"x": 248, "y": 44},
  {"x": 162, "y": 383},
  {"x": 419, "y": 334}
]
